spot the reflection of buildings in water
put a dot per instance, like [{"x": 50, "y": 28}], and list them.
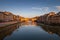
[
  {"x": 7, "y": 31},
  {"x": 34, "y": 23},
  {"x": 52, "y": 30},
  {"x": 28, "y": 23}
]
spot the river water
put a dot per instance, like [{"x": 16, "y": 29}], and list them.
[{"x": 29, "y": 31}]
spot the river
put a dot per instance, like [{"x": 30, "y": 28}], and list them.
[{"x": 29, "y": 31}]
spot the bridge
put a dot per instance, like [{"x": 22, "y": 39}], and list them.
[{"x": 28, "y": 19}]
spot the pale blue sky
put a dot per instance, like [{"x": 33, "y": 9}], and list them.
[{"x": 30, "y": 8}]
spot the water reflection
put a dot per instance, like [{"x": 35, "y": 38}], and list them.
[
  {"x": 52, "y": 29},
  {"x": 30, "y": 31},
  {"x": 6, "y": 31},
  {"x": 28, "y": 23}
]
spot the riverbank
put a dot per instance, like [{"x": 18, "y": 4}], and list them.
[
  {"x": 7, "y": 23},
  {"x": 41, "y": 24}
]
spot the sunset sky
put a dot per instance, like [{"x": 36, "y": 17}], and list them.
[{"x": 30, "y": 8}]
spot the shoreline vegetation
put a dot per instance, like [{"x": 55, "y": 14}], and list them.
[{"x": 41, "y": 24}]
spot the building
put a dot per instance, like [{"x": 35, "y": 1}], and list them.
[
  {"x": 2, "y": 16},
  {"x": 54, "y": 19},
  {"x": 50, "y": 18},
  {"x": 8, "y": 16}
]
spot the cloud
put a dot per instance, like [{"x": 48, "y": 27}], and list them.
[
  {"x": 41, "y": 9},
  {"x": 58, "y": 7}
]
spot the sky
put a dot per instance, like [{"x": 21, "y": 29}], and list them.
[{"x": 30, "y": 8}]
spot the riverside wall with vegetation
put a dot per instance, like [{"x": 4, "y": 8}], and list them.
[{"x": 7, "y": 23}]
